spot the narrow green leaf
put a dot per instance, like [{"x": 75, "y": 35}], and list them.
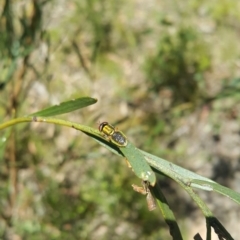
[
  {"x": 172, "y": 170},
  {"x": 138, "y": 163},
  {"x": 219, "y": 229},
  {"x": 65, "y": 107},
  {"x": 235, "y": 196},
  {"x": 166, "y": 212}
]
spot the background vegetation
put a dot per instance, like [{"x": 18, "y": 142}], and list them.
[{"x": 165, "y": 72}]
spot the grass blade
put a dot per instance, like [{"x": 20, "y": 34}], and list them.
[{"x": 65, "y": 107}]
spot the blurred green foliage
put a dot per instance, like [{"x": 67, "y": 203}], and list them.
[
  {"x": 56, "y": 184},
  {"x": 179, "y": 65}
]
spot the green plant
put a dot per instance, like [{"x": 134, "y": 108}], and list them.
[
  {"x": 178, "y": 65},
  {"x": 185, "y": 178}
]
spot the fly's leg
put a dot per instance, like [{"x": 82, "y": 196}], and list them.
[{"x": 129, "y": 165}]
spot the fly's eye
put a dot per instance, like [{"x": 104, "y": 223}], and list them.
[{"x": 102, "y": 125}]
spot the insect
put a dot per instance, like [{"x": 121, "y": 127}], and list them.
[
  {"x": 146, "y": 191},
  {"x": 115, "y": 136},
  {"x": 135, "y": 158}
]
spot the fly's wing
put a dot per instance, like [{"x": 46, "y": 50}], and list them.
[{"x": 138, "y": 163}]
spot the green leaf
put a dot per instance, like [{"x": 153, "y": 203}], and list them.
[
  {"x": 166, "y": 212},
  {"x": 65, "y": 107},
  {"x": 235, "y": 196},
  {"x": 172, "y": 170},
  {"x": 138, "y": 163}
]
